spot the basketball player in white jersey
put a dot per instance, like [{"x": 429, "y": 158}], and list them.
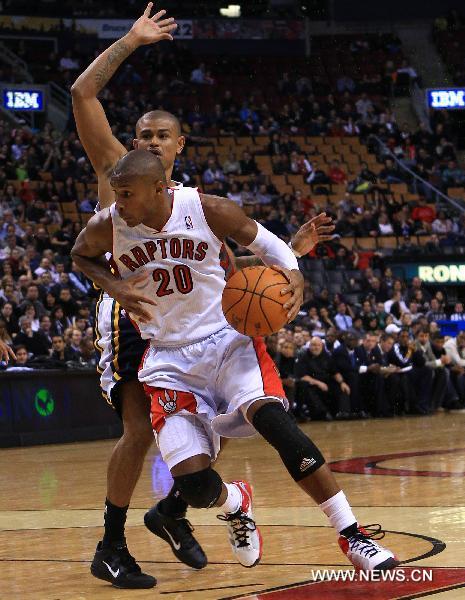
[
  {"x": 204, "y": 379},
  {"x": 120, "y": 345}
]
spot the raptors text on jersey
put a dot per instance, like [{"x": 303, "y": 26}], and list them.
[{"x": 185, "y": 267}]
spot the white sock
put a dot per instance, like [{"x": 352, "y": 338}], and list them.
[
  {"x": 338, "y": 511},
  {"x": 233, "y": 499}
]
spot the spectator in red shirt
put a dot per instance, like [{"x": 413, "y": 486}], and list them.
[
  {"x": 336, "y": 174},
  {"x": 305, "y": 203},
  {"x": 424, "y": 214}
]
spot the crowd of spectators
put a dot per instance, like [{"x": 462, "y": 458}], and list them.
[
  {"x": 46, "y": 306},
  {"x": 382, "y": 359},
  {"x": 449, "y": 34}
]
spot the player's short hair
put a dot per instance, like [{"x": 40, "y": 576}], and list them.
[
  {"x": 139, "y": 164},
  {"x": 159, "y": 114}
]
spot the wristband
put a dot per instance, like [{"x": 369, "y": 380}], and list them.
[
  {"x": 296, "y": 254},
  {"x": 272, "y": 250}
]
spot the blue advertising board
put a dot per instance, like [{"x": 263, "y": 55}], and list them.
[
  {"x": 23, "y": 100},
  {"x": 446, "y": 98}
]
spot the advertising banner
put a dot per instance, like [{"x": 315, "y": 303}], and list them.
[
  {"x": 446, "y": 98},
  {"x": 112, "y": 29},
  {"x": 432, "y": 273},
  {"x": 248, "y": 29},
  {"x": 46, "y": 406}
]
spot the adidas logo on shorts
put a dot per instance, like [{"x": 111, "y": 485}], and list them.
[{"x": 306, "y": 464}]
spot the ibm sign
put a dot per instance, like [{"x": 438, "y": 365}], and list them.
[
  {"x": 449, "y": 98},
  {"x": 30, "y": 100}
]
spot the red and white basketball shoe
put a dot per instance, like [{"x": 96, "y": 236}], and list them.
[
  {"x": 363, "y": 551},
  {"x": 244, "y": 535}
]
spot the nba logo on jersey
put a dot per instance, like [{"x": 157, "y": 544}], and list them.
[{"x": 189, "y": 224}]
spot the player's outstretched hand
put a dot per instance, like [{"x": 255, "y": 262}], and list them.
[
  {"x": 6, "y": 352},
  {"x": 128, "y": 296},
  {"x": 316, "y": 230},
  {"x": 296, "y": 287},
  {"x": 150, "y": 30}
]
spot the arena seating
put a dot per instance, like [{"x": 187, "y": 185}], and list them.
[{"x": 327, "y": 108}]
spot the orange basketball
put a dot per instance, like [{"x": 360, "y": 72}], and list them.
[{"x": 252, "y": 301}]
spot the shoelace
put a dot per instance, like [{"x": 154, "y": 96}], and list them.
[
  {"x": 184, "y": 529},
  {"x": 241, "y": 525},
  {"x": 127, "y": 560},
  {"x": 364, "y": 542}
]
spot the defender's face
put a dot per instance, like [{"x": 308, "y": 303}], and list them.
[{"x": 161, "y": 137}]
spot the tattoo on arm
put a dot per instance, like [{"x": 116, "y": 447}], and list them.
[
  {"x": 115, "y": 57},
  {"x": 248, "y": 261}
]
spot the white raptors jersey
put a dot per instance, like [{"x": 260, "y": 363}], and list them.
[{"x": 186, "y": 274}]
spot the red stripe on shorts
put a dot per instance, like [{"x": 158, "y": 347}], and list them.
[{"x": 272, "y": 385}]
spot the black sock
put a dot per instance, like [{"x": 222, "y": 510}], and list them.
[
  {"x": 173, "y": 505},
  {"x": 115, "y": 519},
  {"x": 348, "y": 532}
]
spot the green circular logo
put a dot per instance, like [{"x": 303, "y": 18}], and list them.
[{"x": 44, "y": 403}]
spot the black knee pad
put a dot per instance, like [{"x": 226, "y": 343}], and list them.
[
  {"x": 299, "y": 454},
  {"x": 201, "y": 489}
]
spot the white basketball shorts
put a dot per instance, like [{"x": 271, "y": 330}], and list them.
[{"x": 215, "y": 380}]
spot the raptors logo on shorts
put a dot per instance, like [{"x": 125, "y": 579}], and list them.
[
  {"x": 164, "y": 403},
  {"x": 168, "y": 404}
]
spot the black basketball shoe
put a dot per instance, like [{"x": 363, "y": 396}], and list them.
[
  {"x": 115, "y": 564},
  {"x": 177, "y": 531}
]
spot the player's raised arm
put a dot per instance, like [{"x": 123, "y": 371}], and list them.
[
  {"x": 227, "y": 219},
  {"x": 88, "y": 253},
  {"x": 93, "y": 128}
]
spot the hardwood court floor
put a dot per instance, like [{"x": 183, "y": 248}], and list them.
[{"x": 407, "y": 474}]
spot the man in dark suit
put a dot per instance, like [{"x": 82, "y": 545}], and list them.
[
  {"x": 317, "y": 394},
  {"x": 34, "y": 341},
  {"x": 346, "y": 363},
  {"x": 372, "y": 382},
  {"x": 389, "y": 372},
  {"x": 437, "y": 365},
  {"x": 416, "y": 379}
]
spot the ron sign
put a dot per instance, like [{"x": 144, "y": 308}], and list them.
[
  {"x": 448, "y": 98},
  {"x": 442, "y": 273}
]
